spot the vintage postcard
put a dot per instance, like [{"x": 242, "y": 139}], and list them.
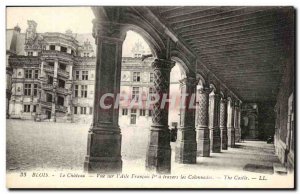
[{"x": 150, "y": 97}]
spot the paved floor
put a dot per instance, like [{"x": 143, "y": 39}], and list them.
[{"x": 62, "y": 146}]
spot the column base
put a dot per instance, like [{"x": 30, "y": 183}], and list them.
[
  {"x": 224, "y": 138},
  {"x": 203, "y": 142},
  {"x": 159, "y": 151},
  {"x": 215, "y": 140},
  {"x": 186, "y": 148},
  {"x": 237, "y": 135},
  {"x": 104, "y": 151},
  {"x": 231, "y": 137}
]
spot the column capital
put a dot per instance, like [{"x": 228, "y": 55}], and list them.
[
  {"x": 203, "y": 90},
  {"x": 191, "y": 81},
  {"x": 223, "y": 100},
  {"x": 163, "y": 64},
  {"x": 108, "y": 30}
]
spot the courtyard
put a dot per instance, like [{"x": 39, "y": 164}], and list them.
[{"x": 62, "y": 146}]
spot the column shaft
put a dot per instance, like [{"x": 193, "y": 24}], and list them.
[
  {"x": 215, "y": 133},
  {"x": 104, "y": 137},
  {"x": 159, "y": 150},
  {"x": 203, "y": 140},
  {"x": 231, "y": 130},
  {"x": 223, "y": 124},
  {"x": 186, "y": 147}
]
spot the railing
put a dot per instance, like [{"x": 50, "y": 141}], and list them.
[
  {"x": 48, "y": 68},
  {"x": 62, "y": 90},
  {"x": 55, "y": 53},
  {"x": 61, "y": 108},
  {"x": 63, "y": 73},
  {"x": 47, "y": 104},
  {"x": 47, "y": 86}
]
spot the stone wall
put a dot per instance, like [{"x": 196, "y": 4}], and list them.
[{"x": 287, "y": 88}]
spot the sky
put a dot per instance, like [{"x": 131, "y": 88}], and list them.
[{"x": 60, "y": 19}]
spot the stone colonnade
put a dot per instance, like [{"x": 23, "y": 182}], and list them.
[{"x": 104, "y": 138}]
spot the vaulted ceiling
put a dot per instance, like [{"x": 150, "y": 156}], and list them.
[{"x": 246, "y": 47}]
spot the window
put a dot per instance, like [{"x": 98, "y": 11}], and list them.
[
  {"x": 151, "y": 93},
  {"x": 136, "y": 76},
  {"x": 35, "y": 89},
  {"x": 27, "y": 89},
  {"x": 60, "y": 100},
  {"x": 83, "y": 110},
  {"x": 124, "y": 111},
  {"x": 151, "y": 77},
  {"x": 34, "y": 108},
  {"x": 76, "y": 90},
  {"x": 28, "y": 73},
  {"x": 75, "y": 110},
  {"x": 86, "y": 54},
  {"x": 135, "y": 93},
  {"x": 49, "y": 97},
  {"x": 77, "y": 75},
  {"x": 142, "y": 112},
  {"x": 85, "y": 75},
  {"x": 36, "y": 74},
  {"x": 62, "y": 66},
  {"x": 91, "y": 110},
  {"x": 52, "y": 47},
  {"x": 61, "y": 83},
  {"x": 50, "y": 79},
  {"x": 84, "y": 91},
  {"x": 63, "y": 49},
  {"x": 30, "y": 53},
  {"x": 26, "y": 108},
  {"x": 150, "y": 113},
  {"x": 51, "y": 64},
  {"x": 133, "y": 111}
]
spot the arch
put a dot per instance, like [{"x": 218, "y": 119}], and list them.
[
  {"x": 183, "y": 60},
  {"x": 153, "y": 39},
  {"x": 213, "y": 87},
  {"x": 202, "y": 82},
  {"x": 181, "y": 65}
]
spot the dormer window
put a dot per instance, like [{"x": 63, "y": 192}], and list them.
[
  {"x": 63, "y": 49},
  {"x": 52, "y": 47}
]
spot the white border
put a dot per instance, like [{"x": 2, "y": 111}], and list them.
[{"x": 5, "y": 3}]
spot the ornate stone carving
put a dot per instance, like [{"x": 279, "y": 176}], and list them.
[
  {"x": 231, "y": 129},
  {"x": 159, "y": 150},
  {"x": 223, "y": 123},
  {"x": 161, "y": 70},
  {"x": 214, "y": 128},
  {"x": 203, "y": 140}
]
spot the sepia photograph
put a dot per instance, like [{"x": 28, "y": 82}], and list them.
[{"x": 143, "y": 97}]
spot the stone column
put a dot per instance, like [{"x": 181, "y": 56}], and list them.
[
  {"x": 104, "y": 137},
  {"x": 223, "y": 123},
  {"x": 203, "y": 141},
  {"x": 231, "y": 130},
  {"x": 237, "y": 123},
  {"x": 215, "y": 134},
  {"x": 236, "y": 115},
  {"x": 159, "y": 150},
  {"x": 186, "y": 147}
]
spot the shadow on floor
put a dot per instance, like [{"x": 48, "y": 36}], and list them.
[{"x": 259, "y": 168}]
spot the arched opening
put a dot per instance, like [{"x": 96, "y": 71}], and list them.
[
  {"x": 137, "y": 81},
  {"x": 178, "y": 73}
]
